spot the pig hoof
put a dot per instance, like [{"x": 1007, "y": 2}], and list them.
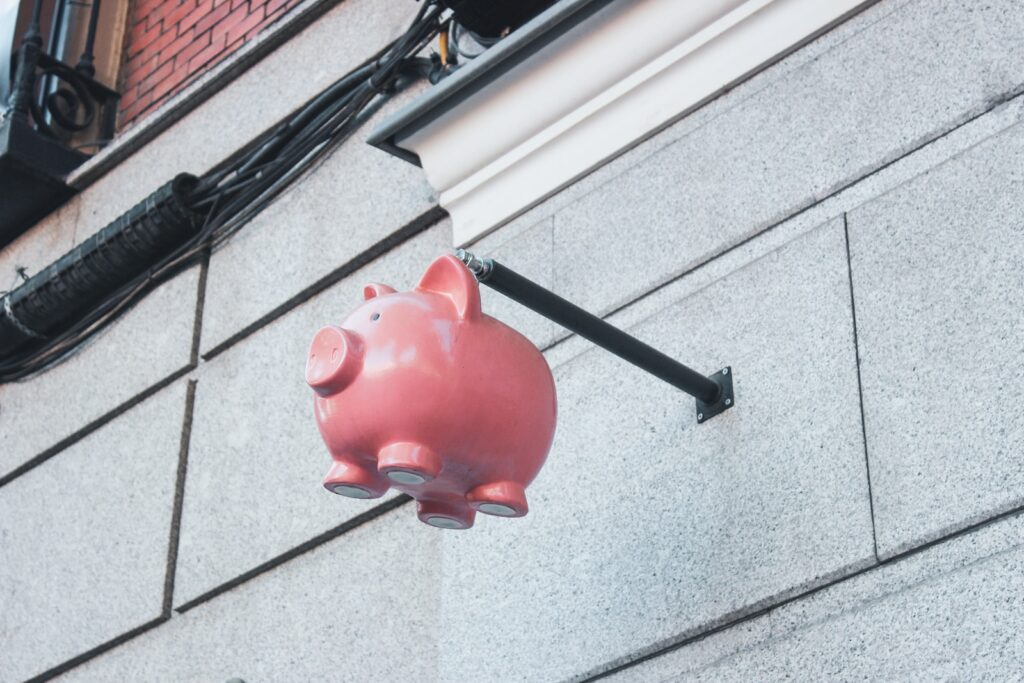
[
  {"x": 354, "y": 481},
  {"x": 502, "y": 498},
  {"x": 408, "y": 463},
  {"x": 445, "y": 515},
  {"x": 335, "y": 359}
]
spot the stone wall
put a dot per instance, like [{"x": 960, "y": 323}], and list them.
[{"x": 844, "y": 229}]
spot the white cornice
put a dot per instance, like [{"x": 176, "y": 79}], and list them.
[{"x": 595, "y": 90}]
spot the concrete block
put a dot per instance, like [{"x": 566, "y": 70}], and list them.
[
  {"x": 645, "y": 526},
  {"x": 938, "y": 274},
  {"x": 947, "y": 613},
  {"x": 530, "y": 255},
  {"x": 922, "y": 70},
  {"x": 354, "y": 199},
  {"x": 892, "y": 176},
  {"x": 360, "y": 608},
  {"x": 257, "y": 461},
  {"x": 150, "y": 343},
  {"x": 84, "y": 539}
]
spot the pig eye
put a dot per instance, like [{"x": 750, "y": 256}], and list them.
[{"x": 375, "y": 316}]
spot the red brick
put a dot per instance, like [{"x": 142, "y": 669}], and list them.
[
  {"x": 152, "y": 46},
  {"x": 157, "y": 76},
  {"x": 217, "y": 45},
  {"x": 179, "y": 44},
  {"x": 169, "y": 12},
  {"x": 140, "y": 38},
  {"x": 241, "y": 28},
  {"x": 170, "y": 84},
  {"x": 143, "y": 8},
  {"x": 277, "y": 9},
  {"x": 160, "y": 10},
  {"x": 133, "y": 100},
  {"x": 213, "y": 18},
  {"x": 194, "y": 48},
  {"x": 232, "y": 47},
  {"x": 236, "y": 17},
  {"x": 177, "y": 15},
  {"x": 135, "y": 108},
  {"x": 128, "y": 97},
  {"x": 140, "y": 62},
  {"x": 158, "y": 45},
  {"x": 202, "y": 10},
  {"x": 133, "y": 29}
]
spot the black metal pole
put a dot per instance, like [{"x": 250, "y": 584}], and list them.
[
  {"x": 86, "y": 64},
  {"x": 28, "y": 58},
  {"x": 707, "y": 391}
]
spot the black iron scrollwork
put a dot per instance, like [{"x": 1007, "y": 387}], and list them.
[
  {"x": 70, "y": 104},
  {"x": 59, "y": 100}
]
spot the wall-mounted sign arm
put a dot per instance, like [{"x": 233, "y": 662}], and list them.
[
  {"x": 714, "y": 394},
  {"x": 484, "y": 416}
]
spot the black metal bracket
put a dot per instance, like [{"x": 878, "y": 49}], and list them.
[
  {"x": 714, "y": 394},
  {"x": 706, "y": 411}
]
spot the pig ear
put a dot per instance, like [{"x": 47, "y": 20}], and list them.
[
  {"x": 374, "y": 289},
  {"x": 447, "y": 276}
]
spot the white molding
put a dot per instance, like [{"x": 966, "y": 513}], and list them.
[{"x": 624, "y": 72}]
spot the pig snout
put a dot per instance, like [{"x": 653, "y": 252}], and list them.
[{"x": 335, "y": 360}]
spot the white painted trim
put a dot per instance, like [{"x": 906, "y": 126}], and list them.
[{"x": 629, "y": 69}]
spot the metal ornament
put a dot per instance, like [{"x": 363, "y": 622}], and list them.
[{"x": 59, "y": 100}]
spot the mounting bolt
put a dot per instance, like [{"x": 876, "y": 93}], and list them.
[
  {"x": 480, "y": 268},
  {"x": 725, "y": 400}
]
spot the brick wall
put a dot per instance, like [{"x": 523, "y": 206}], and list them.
[{"x": 171, "y": 42}]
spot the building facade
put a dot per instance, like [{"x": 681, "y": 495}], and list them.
[{"x": 842, "y": 223}]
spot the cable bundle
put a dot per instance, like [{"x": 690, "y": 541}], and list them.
[
  {"x": 95, "y": 271},
  {"x": 232, "y": 195},
  {"x": 196, "y": 216}
]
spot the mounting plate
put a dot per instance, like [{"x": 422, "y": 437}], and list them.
[{"x": 706, "y": 411}]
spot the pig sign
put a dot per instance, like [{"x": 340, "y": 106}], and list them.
[{"x": 423, "y": 392}]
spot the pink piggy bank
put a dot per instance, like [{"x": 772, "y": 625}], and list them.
[{"x": 423, "y": 392}]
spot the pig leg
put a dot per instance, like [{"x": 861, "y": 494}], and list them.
[
  {"x": 501, "y": 498},
  {"x": 349, "y": 477},
  {"x": 445, "y": 514},
  {"x": 408, "y": 463}
]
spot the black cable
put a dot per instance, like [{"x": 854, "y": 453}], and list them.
[
  {"x": 229, "y": 196},
  {"x": 322, "y": 121}
]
